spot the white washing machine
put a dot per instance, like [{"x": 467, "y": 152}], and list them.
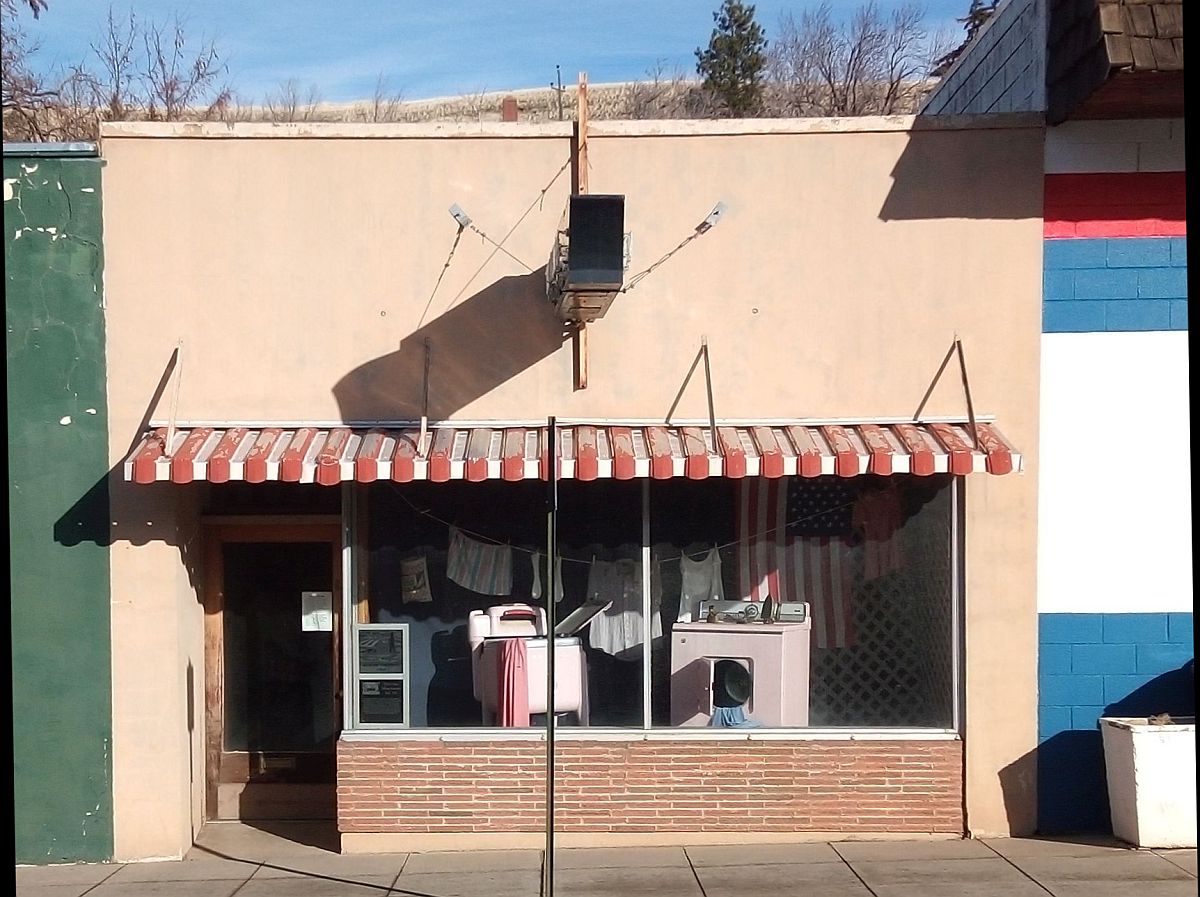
[{"x": 776, "y": 655}]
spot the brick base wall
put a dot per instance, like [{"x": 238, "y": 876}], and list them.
[{"x": 652, "y": 786}]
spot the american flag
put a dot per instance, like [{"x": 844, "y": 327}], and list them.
[{"x": 807, "y": 561}]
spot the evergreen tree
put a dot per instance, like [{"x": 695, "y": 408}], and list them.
[
  {"x": 732, "y": 65},
  {"x": 975, "y": 18}
]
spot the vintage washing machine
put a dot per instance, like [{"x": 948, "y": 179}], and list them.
[
  {"x": 488, "y": 628},
  {"x": 776, "y": 655}
]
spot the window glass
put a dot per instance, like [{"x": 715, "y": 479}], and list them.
[
  {"x": 463, "y": 565},
  {"x": 858, "y": 572},
  {"x": 855, "y": 574}
]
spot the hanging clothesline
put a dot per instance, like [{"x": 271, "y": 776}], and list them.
[{"x": 425, "y": 512}]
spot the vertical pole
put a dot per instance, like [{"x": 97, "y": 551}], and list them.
[
  {"x": 551, "y": 645},
  {"x": 583, "y": 133},
  {"x": 647, "y": 607}
]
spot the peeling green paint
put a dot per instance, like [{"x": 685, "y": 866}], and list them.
[{"x": 57, "y": 475}]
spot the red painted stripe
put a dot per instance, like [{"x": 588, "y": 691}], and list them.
[
  {"x": 999, "y": 455},
  {"x": 879, "y": 448},
  {"x": 439, "y": 455},
  {"x": 770, "y": 455},
  {"x": 512, "y": 455},
  {"x": 960, "y": 451},
  {"x": 182, "y": 470},
  {"x": 219, "y": 460},
  {"x": 846, "y": 463},
  {"x": 733, "y": 453},
  {"x": 624, "y": 460},
  {"x": 921, "y": 454},
  {"x": 659, "y": 444},
  {"x": 291, "y": 462},
  {"x": 1124, "y": 204},
  {"x": 587, "y": 463},
  {"x": 256, "y": 460},
  {"x": 809, "y": 452},
  {"x": 477, "y": 450},
  {"x": 404, "y": 469},
  {"x": 150, "y": 451},
  {"x": 366, "y": 461},
  {"x": 696, "y": 465},
  {"x": 329, "y": 465}
]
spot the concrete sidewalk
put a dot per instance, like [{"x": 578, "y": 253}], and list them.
[{"x": 239, "y": 860}]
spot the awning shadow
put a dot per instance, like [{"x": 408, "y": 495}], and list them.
[{"x": 474, "y": 347}]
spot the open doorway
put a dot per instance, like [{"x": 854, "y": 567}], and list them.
[{"x": 272, "y": 670}]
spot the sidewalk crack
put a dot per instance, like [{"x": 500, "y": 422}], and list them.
[{"x": 1015, "y": 866}]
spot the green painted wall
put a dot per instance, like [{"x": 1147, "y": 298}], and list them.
[{"x": 58, "y": 509}]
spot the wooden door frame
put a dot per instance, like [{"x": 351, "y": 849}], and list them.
[{"x": 216, "y": 533}]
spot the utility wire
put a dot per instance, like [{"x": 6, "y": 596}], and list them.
[{"x": 535, "y": 204}]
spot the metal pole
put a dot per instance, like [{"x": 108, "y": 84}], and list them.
[{"x": 551, "y": 646}]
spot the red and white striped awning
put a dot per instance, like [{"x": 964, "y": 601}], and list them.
[{"x": 346, "y": 454}]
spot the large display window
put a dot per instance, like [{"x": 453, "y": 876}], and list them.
[{"x": 695, "y": 605}]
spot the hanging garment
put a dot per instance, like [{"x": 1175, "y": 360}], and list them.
[
  {"x": 536, "y": 591},
  {"x": 732, "y": 718},
  {"x": 878, "y": 515},
  {"x": 618, "y": 631},
  {"x": 701, "y": 581},
  {"x": 482, "y": 568},
  {"x": 512, "y": 698},
  {"x": 414, "y": 580}
]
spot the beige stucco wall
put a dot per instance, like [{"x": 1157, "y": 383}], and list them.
[{"x": 295, "y": 264}]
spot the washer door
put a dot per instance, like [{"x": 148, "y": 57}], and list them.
[{"x": 732, "y": 684}]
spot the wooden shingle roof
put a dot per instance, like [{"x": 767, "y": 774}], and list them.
[{"x": 1114, "y": 58}]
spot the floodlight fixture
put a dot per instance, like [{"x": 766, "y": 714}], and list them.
[{"x": 713, "y": 217}]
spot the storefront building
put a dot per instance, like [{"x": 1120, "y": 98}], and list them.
[{"x": 304, "y": 579}]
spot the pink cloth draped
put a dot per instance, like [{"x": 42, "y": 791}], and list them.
[{"x": 513, "y": 697}]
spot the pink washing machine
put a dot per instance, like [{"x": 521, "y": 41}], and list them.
[{"x": 774, "y": 654}]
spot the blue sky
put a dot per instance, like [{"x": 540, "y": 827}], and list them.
[{"x": 427, "y": 49}]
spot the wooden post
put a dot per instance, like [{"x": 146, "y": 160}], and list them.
[
  {"x": 583, "y": 129},
  {"x": 579, "y": 334}
]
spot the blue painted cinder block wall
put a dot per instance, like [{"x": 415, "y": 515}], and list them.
[
  {"x": 1094, "y": 665},
  {"x": 1122, "y": 284}
]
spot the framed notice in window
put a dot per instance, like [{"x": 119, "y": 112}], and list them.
[{"x": 380, "y": 669}]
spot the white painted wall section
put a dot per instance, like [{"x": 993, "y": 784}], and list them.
[
  {"x": 1153, "y": 144},
  {"x": 1114, "y": 507}
]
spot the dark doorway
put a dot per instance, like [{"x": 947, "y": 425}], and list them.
[{"x": 272, "y": 689}]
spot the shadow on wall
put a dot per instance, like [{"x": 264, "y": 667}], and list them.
[
  {"x": 92, "y": 519},
  {"x": 479, "y": 344},
  {"x": 1072, "y": 790},
  {"x": 930, "y": 180}
]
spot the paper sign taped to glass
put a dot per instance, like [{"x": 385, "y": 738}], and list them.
[{"x": 316, "y": 611}]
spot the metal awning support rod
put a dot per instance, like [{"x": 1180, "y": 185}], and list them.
[
  {"x": 962, "y": 364},
  {"x": 712, "y": 415}
]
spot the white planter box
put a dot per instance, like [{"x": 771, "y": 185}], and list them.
[{"x": 1151, "y": 772}]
